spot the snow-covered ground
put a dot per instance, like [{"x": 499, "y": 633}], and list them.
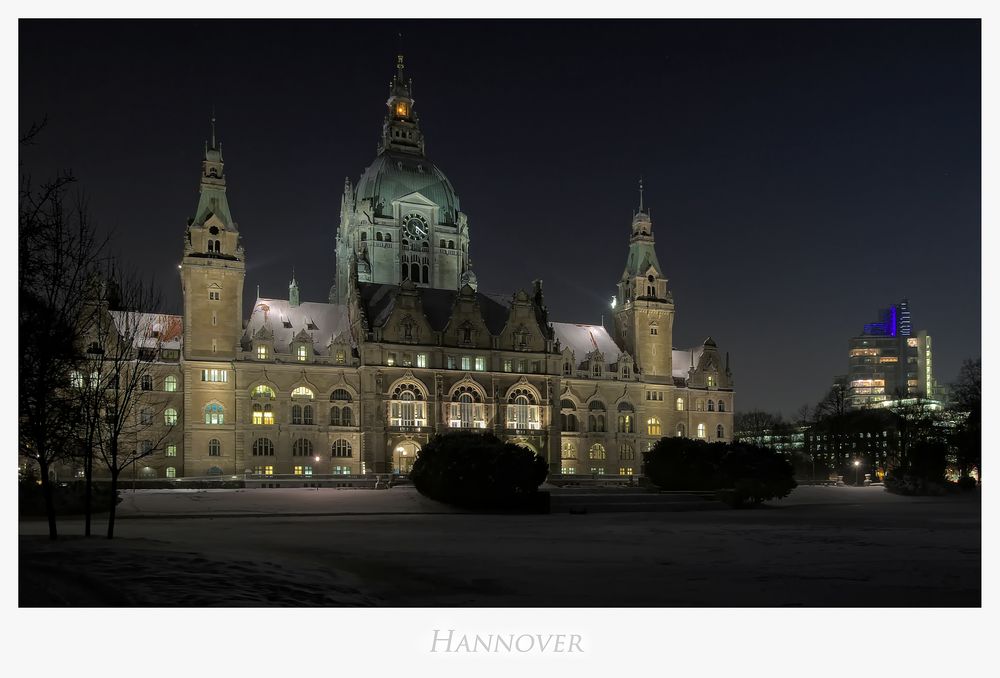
[{"x": 821, "y": 546}]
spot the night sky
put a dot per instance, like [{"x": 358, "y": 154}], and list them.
[{"x": 801, "y": 175}]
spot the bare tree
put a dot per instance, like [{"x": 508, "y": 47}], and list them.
[
  {"x": 835, "y": 402},
  {"x": 57, "y": 250},
  {"x": 124, "y": 349},
  {"x": 755, "y": 427},
  {"x": 966, "y": 401}
]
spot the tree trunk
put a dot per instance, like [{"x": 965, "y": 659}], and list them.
[
  {"x": 114, "y": 503},
  {"x": 88, "y": 484},
  {"x": 50, "y": 508}
]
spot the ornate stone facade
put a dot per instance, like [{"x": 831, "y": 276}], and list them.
[{"x": 406, "y": 347}]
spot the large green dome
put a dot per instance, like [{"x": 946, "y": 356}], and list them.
[{"x": 394, "y": 175}]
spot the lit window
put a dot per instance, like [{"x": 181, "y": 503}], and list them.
[
  {"x": 215, "y": 375},
  {"x": 170, "y": 416},
  {"x": 701, "y": 430},
  {"x": 568, "y": 451},
  {"x": 653, "y": 426},
  {"x": 421, "y": 360},
  {"x": 568, "y": 470},
  {"x": 508, "y": 365},
  {"x": 466, "y": 362},
  {"x": 171, "y": 472},
  {"x": 597, "y": 452},
  {"x": 301, "y": 353},
  {"x": 451, "y": 362},
  {"x": 391, "y": 360},
  {"x": 626, "y": 471},
  {"x": 263, "y": 470},
  {"x": 261, "y": 352},
  {"x": 214, "y": 413},
  {"x": 214, "y": 448},
  {"x": 341, "y": 470},
  {"x": 710, "y": 381},
  {"x": 171, "y": 450},
  {"x": 341, "y": 357},
  {"x": 680, "y": 404},
  {"x": 302, "y": 392},
  {"x": 170, "y": 384},
  {"x": 597, "y": 470},
  {"x": 480, "y": 363},
  {"x": 720, "y": 432},
  {"x": 522, "y": 410}
]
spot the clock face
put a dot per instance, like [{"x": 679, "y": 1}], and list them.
[{"x": 416, "y": 228}]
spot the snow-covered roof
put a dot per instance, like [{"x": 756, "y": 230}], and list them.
[
  {"x": 683, "y": 361},
  {"x": 149, "y": 330},
  {"x": 322, "y": 322},
  {"x": 584, "y": 339}
]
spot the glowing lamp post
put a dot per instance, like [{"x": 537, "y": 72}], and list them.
[{"x": 857, "y": 465}]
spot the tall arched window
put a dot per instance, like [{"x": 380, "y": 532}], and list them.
[
  {"x": 296, "y": 414},
  {"x": 466, "y": 408},
  {"x": 170, "y": 383},
  {"x": 302, "y": 448},
  {"x": 335, "y": 416},
  {"x": 522, "y": 410},
  {"x": 263, "y": 415},
  {"x": 568, "y": 450},
  {"x": 720, "y": 432},
  {"x": 307, "y": 415},
  {"x": 701, "y": 430},
  {"x": 263, "y": 447},
  {"x": 346, "y": 417},
  {"x": 711, "y": 406},
  {"x": 680, "y": 404},
  {"x": 341, "y": 448},
  {"x": 597, "y": 452},
  {"x": 147, "y": 382},
  {"x": 626, "y": 418},
  {"x": 680, "y": 430},
  {"x": 653, "y": 426},
  {"x": 406, "y": 406},
  {"x": 722, "y": 406},
  {"x": 626, "y": 452},
  {"x": 170, "y": 416},
  {"x": 426, "y": 275},
  {"x": 214, "y": 448},
  {"x": 214, "y": 413}
]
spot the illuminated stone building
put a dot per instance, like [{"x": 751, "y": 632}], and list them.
[{"x": 405, "y": 346}]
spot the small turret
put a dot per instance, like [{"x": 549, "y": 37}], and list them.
[{"x": 293, "y": 291}]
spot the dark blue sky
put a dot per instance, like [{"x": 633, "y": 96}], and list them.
[{"x": 801, "y": 174}]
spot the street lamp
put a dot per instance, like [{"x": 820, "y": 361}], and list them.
[{"x": 857, "y": 465}]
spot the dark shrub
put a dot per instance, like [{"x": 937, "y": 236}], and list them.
[
  {"x": 967, "y": 483},
  {"x": 684, "y": 464},
  {"x": 745, "y": 475},
  {"x": 68, "y": 498},
  {"x": 923, "y": 472},
  {"x": 477, "y": 470},
  {"x": 755, "y": 474}
]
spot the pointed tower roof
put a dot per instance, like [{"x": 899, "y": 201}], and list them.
[
  {"x": 641, "y": 249},
  {"x": 212, "y": 200},
  {"x": 401, "y": 129}
]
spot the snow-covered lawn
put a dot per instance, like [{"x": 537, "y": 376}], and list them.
[{"x": 822, "y": 546}]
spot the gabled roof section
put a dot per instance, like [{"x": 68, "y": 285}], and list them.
[
  {"x": 584, "y": 339},
  {"x": 150, "y": 330},
  {"x": 379, "y": 299},
  {"x": 286, "y": 322}
]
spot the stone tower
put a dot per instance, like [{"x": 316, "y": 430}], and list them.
[
  {"x": 212, "y": 273},
  {"x": 213, "y": 269},
  {"x": 401, "y": 221},
  {"x": 644, "y": 307}
]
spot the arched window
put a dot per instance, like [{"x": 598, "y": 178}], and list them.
[
  {"x": 334, "y": 416},
  {"x": 346, "y": 417},
  {"x": 680, "y": 404},
  {"x": 214, "y": 414},
  {"x": 302, "y": 448},
  {"x": 680, "y": 430},
  {"x": 522, "y": 410},
  {"x": 596, "y": 406},
  {"x": 171, "y": 472},
  {"x": 302, "y": 392},
  {"x": 711, "y": 406},
  {"x": 626, "y": 373},
  {"x": 426, "y": 274},
  {"x": 341, "y": 448},
  {"x": 451, "y": 244},
  {"x": 701, "y": 430},
  {"x": 626, "y": 452},
  {"x": 406, "y": 406},
  {"x": 597, "y": 369},
  {"x": 147, "y": 382},
  {"x": 699, "y": 405},
  {"x": 568, "y": 450},
  {"x": 364, "y": 237},
  {"x": 296, "y": 414},
  {"x": 466, "y": 408},
  {"x": 262, "y": 392},
  {"x": 722, "y": 406},
  {"x": 568, "y": 369},
  {"x": 341, "y": 394},
  {"x": 307, "y": 415},
  {"x": 263, "y": 447},
  {"x": 626, "y": 417},
  {"x": 568, "y": 422},
  {"x": 597, "y": 452},
  {"x": 170, "y": 416},
  {"x": 388, "y": 237},
  {"x": 214, "y": 448},
  {"x": 720, "y": 432},
  {"x": 378, "y": 237},
  {"x": 567, "y": 404},
  {"x": 170, "y": 383},
  {"x": 653, "y": 426}
]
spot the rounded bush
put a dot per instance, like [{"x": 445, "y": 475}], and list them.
[{"x": 477, "y": 470}]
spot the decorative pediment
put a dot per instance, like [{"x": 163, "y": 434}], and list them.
[{"x": 415, "y": 198}]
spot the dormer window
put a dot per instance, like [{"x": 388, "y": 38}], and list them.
[
  {"x": 301, "y": 353},
  {"x": 261, "y": 352},
  {"x": 710, "y": 381}
]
